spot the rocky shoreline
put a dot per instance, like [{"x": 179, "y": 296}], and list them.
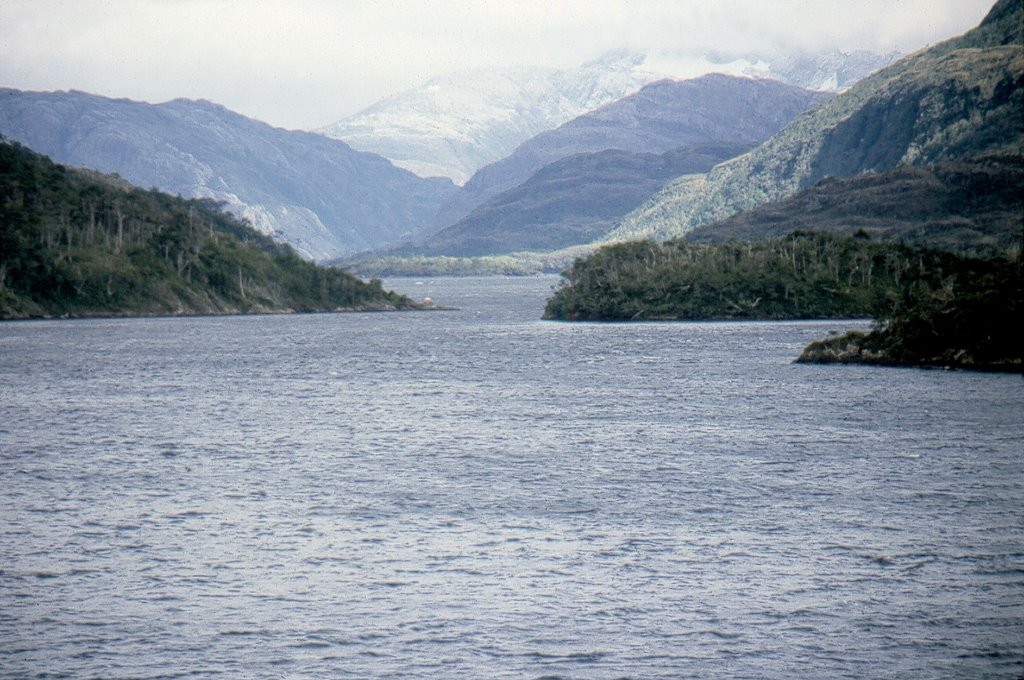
[{"x": 857, "y": 347}]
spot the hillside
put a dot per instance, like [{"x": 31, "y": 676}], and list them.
[
  {"x": 312, "y": 192},
  {"x": 662, "y": 116},
  {"x": 571, "y": 201},
  {"x": 77, "y": 243},
  {"x": 959, "y": 99},
  {"x": 956, "y": 205}
]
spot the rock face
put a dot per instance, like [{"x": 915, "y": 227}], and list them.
[
  {"x": 315, "y": 193},
  {"x": 456, "y": 124},
  {"x": 960, "y": 99},
  {"x": 660, "y": 117}
]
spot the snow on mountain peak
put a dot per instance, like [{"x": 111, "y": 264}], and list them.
[{"x": 455, "y": 124}]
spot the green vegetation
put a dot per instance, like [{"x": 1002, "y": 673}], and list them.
[
  {"x": 969, "y": 318},
  {"x": 803, "y": 275},
  {"x": 932, "y": 307},
  {"x": 76, "y": 243}
]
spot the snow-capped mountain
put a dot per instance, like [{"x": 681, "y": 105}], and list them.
[
  {"x": 832, "y": 71},
  {"x": 660, "y": 117},
  {"x": 455, "y": 124}
]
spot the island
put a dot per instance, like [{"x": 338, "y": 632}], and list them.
[{"x": 932, "y": 307}]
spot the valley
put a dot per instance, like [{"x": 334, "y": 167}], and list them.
[{"x": 923, "y": 153}]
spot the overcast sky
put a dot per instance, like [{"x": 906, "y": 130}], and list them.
[{"x": 307, "y": 63}]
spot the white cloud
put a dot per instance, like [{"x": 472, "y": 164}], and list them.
[{"x": 305, "y": 63}]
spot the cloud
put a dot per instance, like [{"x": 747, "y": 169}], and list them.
[{"x": 305, "y": 63}]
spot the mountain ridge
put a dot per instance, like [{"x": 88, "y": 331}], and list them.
[
  {"x": 314, "y": 192},
  {"x": 570, "y": 201},
  {"x": 660, "y": 117},
  {"x": 961, "y": 97},
  {"x": 967, "y": 204}
]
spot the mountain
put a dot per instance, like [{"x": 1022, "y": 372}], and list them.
[
  {"x": 456, "y": 124},
  {"x": 660, "y": 117},
  {"x": 78, "y": 243},
  {"x": 953, "y": 205},
  {"x": 959, "y": 99},
  {"x": 571, "y": 201},
  {"x": 313, "y": 192}
]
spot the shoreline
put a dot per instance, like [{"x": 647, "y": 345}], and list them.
[
  {"x": 854, "y": 348},
  {"x": 198, "y": 314}
]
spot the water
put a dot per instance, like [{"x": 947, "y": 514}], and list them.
[{"x": 481, "y": 494}]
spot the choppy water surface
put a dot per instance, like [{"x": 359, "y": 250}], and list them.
[{"x": 481, "y": 494}]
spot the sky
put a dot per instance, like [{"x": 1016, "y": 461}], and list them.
[{"x": 303, "y": 64}]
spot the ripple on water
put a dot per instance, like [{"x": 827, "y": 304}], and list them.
[{"x": 477, "y": 493}]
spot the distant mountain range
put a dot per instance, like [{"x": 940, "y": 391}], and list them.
[
  {"x": 655, "y": 163},
  {"x": 660, "y": 117},
  {"x": 456, "y": 124},
  {"x": 571, "y": 201},
  {"x": 959, "y": 100},
  {"x": 315, "y": 193}
]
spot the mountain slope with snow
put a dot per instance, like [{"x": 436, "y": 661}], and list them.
[
  {"x": 660, "y": 117},
  {"x": 455, "y": 124}
]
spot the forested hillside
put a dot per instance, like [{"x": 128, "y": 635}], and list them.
[
  {"x": 78, "y": 243},
  {"x": 931, "y": 307},
  {"x": 969, "y": 318}
]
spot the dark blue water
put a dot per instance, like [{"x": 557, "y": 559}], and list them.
[{"x": 481, "y": 494}]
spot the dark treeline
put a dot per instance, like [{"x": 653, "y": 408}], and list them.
[
  {"x": 800, "y": 276},
  {"x": 82, "y": 244}
]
